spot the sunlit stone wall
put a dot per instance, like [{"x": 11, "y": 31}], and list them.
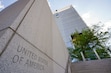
[{"x": 29, "y": 39}]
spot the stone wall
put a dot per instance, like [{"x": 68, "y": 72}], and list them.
[
  {"x": 29, "y": 39},
  {"x": 95, "y": 66}
]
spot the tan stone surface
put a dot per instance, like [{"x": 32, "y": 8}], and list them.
[
  {"x": 21, "y": 57},
  {"x": 57, "y": 68},
  {"x": 5, "y": 36},
  {"x": 43, "y": 32},
  {"x": 35, "y": 32},
  {"x": 95, "y": 66},
  {"x": 36, "y": 27},
  {"x": 9, "y": 14},
  {"x": 22, "y": 14}
]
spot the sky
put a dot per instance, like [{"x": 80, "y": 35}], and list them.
[{"x": 91, "y": 11}]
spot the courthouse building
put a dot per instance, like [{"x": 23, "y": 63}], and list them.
[{"x": 68, "y": 21}]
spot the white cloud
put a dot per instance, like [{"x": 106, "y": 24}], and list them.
[
  {"x": 1, "y": 5},
  {"x": 90, "y": 18},
  {"x": 86, "y": 15},
  {"x": 74, "y": 6},
  {"x": 49, "y": 3},
  {"x": 107, "y": 25}
]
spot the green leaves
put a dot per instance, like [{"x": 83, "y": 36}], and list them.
[
  {"x": 103, "y": 53},
  {"x": 75, "y": 53},
  {"x": 88, "y": 40}
]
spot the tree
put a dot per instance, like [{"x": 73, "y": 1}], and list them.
[{"x": 88, "y": 42}]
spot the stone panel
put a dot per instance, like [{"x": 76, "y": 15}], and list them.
[
  {"x": 36, "y": 27},
  {"x": 36, "y": 45},
  {"x": 22, "y": 14},
  {"x": 2, "y": 32},
  {"x": 95, "y": 66},
  {"x": 21, "y": 57},
  {"x": 9, "y": 14},
  {"x": 57, "y": 68},
  {"x": 5, "y": 36}
]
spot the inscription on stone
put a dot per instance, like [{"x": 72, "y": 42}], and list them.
[{"x": 27, "y": 58}]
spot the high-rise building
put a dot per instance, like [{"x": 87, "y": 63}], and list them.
[{"x": 68, "y": 21}]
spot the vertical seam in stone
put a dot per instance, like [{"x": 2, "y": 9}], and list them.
[
  {"x": 7, "y": 44},
  {"x": 25, "y": 15},
  {"x": 16, "y": 29}
]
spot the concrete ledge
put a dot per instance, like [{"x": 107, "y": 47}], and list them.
[{"x": 95, "y": 66}]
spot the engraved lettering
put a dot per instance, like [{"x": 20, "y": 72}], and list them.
[
  {"x": 15, "y": 59},
  {"x": 21, "y": 59},
  {"x": 19, "y": 49},
  {"x": 28, "y": 58},
  {"x": 26, "y": 52},
  {"x": 34, "y": 65}
]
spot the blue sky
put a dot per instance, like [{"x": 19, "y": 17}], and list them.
[
  {"x": 5, "y": 3},
  {"x": 92, "y": 11}
]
